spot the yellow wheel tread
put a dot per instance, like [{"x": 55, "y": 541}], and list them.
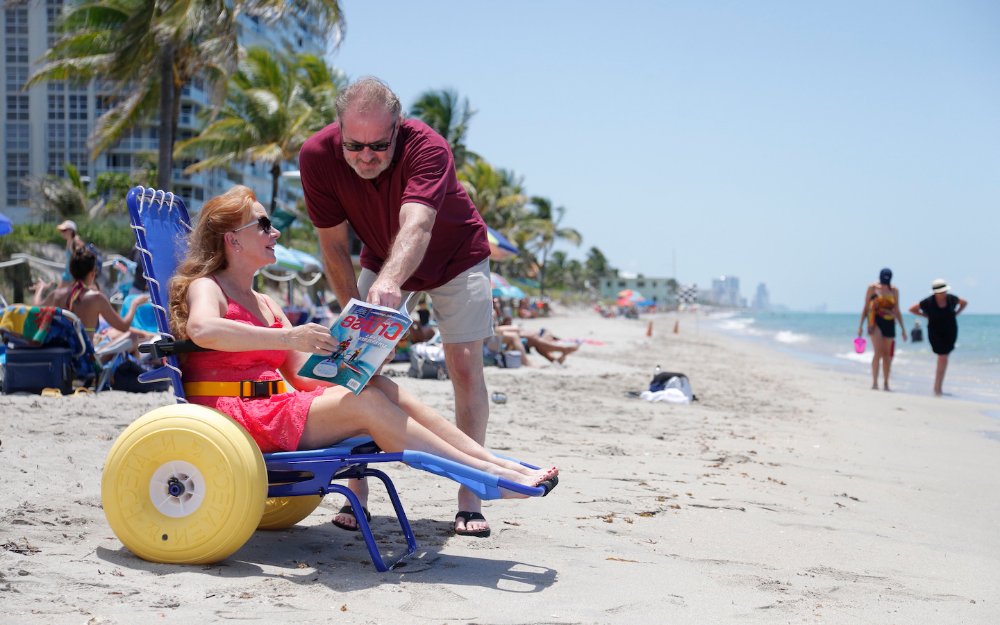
[
  {"x": 282, "y": 512},
  {"x": 184, "y": 484}
]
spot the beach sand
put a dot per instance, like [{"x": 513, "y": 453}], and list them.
[{"x": 786, "y": 494}]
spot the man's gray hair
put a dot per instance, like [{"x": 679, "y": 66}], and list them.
[{"x": 367, "y": 94}]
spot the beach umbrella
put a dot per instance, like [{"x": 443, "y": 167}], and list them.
[
  {"x": 500, "y": 247},
  {"x": 295, "y": 260},
  {"x": 627, "y": 297},
  {"x": 629, "y": 294},
  {"x": 503, "y": 288},
  {"x": 6, "y": 226}
]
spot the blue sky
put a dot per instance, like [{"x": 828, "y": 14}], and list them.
[{"x": 799, "y": 144}]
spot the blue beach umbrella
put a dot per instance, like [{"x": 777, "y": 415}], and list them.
[
  {"x": 503, "y": 288},
  {"x": 500, "y": 246}
]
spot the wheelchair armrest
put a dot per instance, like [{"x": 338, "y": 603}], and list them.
[{"x": 169, "y": 347}]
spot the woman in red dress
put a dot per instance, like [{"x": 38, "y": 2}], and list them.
[{"x": 213, "y": 303}]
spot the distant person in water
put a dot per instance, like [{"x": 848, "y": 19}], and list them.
[
  {"x": 881, "y": 310},
  {"x": 917, "y": 333},
  {"x": 941, "y": 309}
]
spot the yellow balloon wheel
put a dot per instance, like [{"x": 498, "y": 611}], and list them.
[
  {"x": 282, "y": 512},
  {"x": 184, "y": 484}
]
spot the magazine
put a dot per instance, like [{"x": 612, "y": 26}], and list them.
[{"x": 366, "y": 335}]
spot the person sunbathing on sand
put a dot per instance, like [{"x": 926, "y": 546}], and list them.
[{"x": 552, "y": 349}]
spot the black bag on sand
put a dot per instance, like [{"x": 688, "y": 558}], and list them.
[{"x": 126, "y": 378}]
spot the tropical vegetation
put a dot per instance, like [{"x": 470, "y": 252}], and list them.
[
  {"x": 149, "y": 50},
  {"x": 266, "y": 106},
  {"x": 274, "y": 103}
]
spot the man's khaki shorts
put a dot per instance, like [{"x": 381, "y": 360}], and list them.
[{"x": 463, "y": 306}]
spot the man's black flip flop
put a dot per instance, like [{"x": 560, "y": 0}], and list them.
[
  {"x": 350, "y": 510},
  {"x": 471, "y": 516}
]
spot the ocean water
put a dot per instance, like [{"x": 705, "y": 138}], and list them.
[{"x": 827, "y": 339}]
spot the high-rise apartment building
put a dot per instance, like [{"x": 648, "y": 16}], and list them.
[
  {"x": 726, "y": 291},
  {"x": 47, "y": 126}
]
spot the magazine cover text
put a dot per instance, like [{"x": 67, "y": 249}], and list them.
[{"x": 365, "y": 334}]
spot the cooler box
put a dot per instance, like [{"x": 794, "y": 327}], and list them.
[
  {"x": 511, "y": 359},
  {"x": 29, "y": 370}
]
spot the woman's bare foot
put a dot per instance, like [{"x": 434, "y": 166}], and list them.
[{"x": 547, "y": 481}]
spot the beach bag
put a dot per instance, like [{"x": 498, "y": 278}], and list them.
[
  {"x": 29, "y": 370},
  {"x": 427, "y": 361}
]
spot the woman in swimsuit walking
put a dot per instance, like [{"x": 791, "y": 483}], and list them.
[{"x": 881, "y": 309}]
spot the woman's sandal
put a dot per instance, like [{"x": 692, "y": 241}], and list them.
[
  {"x": 348, "y": 509},
  {"x": 471, "y": 516}
]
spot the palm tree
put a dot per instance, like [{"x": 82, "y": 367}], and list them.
[
  {"x": 53, "y": 197},
  {"x": 555, "y": 268},
  {"x": 145, "y": 49},
  {"x": 497, "y": 193},
  {"x": 548, "y": 231},
  {"x": 449, "y": 117},
  {"x": 597, "y": 266},
  {"x": 269, "y": 113},
  {"x": 323, "y": 82},
  {"x": 151, "y": 49}
]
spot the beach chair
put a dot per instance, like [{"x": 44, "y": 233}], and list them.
[
  {"x": 187, "y": 484},
  {"x": 144, "y": 318},
  {"x": 47, "y": 347}
]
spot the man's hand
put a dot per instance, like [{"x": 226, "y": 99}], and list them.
[{"x": 384, "y": 293}]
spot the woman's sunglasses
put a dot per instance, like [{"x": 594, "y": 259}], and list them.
[{"x": 263, "y": 222}]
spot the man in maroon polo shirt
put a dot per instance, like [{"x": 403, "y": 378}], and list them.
[{"x": 393, "y": 180}]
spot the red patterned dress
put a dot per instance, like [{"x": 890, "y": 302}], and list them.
[{"x": 275, "y": 422}]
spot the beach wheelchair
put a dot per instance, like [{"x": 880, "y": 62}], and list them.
[{"x": 186, "y": 484}]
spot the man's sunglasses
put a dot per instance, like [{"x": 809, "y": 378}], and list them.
[
  {"x": 263, "y": 222},
  {"x": 379, "y": 146}
]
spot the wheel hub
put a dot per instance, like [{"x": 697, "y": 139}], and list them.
[{"x": 177, "y": 488}]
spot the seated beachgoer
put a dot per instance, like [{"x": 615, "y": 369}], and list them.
[
  {"x": 90, "y": 305},
  {"x": 421, "y": 330},
  {"x": 213, "y": 303},
  {"x": 508, "y": 338},
  {"x": 524, "y": 310}
]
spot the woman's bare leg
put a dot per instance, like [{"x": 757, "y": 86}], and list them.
[
  {"x": 942, "y": 366},
  {"x": 443, "y": 428},
  {"x": 339, "y": 414},
  {"x": 876, "y": 338},
  {"x": 547, "y": 348},
  {"x": 875, "y": 366},
  {"x": 887, "y": 345}
]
